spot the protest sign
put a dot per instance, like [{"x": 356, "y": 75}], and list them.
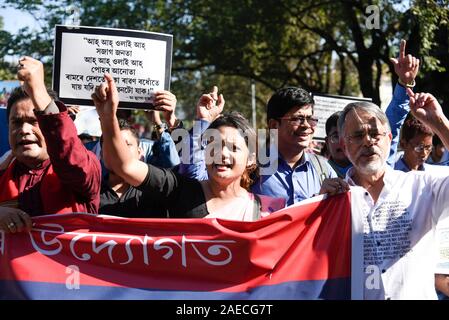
[
  {"x": 325, "y": 106},
  {"x": 139, "y": 61}
]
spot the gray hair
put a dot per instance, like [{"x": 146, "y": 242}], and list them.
[{"x": 368, "y": 107}]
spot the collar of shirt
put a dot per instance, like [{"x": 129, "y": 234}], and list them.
[
  {"x": 293, "y": 185},
  {"x": 22, "y": 169},
  {"x": 402, "y": 165},
  {"x": 388, "y": 178},
  {"x": 284, "y": 166}
]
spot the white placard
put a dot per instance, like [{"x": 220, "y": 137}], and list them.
[
  {"x": 325, "y": 106},
  {"x": 140, "y": 63}
]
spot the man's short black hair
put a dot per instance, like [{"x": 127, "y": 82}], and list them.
[
  {"x": 285, "y": 99},
  {"x": 413, "y": 127},
  {"x": 332, "y": 121},
  {"x": 18, "y": 94}
]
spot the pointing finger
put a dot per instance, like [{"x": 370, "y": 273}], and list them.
[
  {"x": 402, "y": 49},
  {"x": 214, "y": 93},
  {"x": 111, "y": 82}
]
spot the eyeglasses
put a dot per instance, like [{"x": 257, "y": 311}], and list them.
[
  {"x": 299, "y": 120},
  {"x": 373, "y": 135},
  {"x": 420, "y": 148},
  {"x": 334, "y": 138}
]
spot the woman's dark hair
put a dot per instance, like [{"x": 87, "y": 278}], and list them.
[{"x": 236, "y": 120}]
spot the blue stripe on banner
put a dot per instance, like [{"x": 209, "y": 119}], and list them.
[{"x": 336, "y": 289}]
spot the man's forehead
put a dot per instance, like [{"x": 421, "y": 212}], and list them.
[
  {"x": 22, "y": 108},
  {"x": 362, "y": 119},
  {"x": 306, "y": 109}
]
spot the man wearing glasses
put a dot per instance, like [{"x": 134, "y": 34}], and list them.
[
  {"x": 299, "y": 175},
  {"x": 406, "y": 68},
  {"x": 399, "y": 211},
  {"x": 416, "y": 141}
]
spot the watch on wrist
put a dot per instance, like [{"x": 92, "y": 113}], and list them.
[
  {"x": 407, "y": 85},
  {"x": 161, "y": 126}
]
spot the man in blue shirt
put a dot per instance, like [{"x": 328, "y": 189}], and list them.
[{"x": 416, "y": 141}]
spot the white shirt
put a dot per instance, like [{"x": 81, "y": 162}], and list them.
[{"x": 399, "y": 233}]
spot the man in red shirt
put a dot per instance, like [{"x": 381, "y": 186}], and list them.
[{"x": 52, "y": 171}]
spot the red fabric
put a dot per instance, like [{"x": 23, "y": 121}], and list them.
[
  {"x": 308, "y": 243},
  {"x": 55, "y": 198}
]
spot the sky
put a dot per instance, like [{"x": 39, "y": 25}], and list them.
[{"x": 15, "y": 19}]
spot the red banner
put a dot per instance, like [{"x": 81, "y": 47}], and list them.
[{"x": 300, "y": 252}]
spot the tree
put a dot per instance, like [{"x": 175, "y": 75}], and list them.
[
  {"x": 6, "y": 68},
  {"x": 323, "y": 46}
]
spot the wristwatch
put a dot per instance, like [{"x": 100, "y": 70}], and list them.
[
  {"x": 161, "y": 126},
  {"x": 407, "y": 85}
]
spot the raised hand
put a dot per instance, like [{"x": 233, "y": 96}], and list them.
[
  {"x": 426, "y": 108},
  {"x": 165, "y": 101},
  {"x": 31, "y": 73},
  {"x": 210, "y": 105},
  {"x": 405, "y": 67},
  {"x": 106, "y": 98}
]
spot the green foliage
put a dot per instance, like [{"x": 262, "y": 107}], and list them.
[{"x": 323, "y": 46}]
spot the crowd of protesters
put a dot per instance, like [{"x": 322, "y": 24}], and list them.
[{"x": 50, "y": 171}]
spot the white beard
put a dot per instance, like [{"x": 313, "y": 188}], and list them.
[{"x": 372, "y": 167}]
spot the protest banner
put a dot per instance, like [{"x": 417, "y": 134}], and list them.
[
  {"x": 300, "y": 252},
  {"x": 325, "y": 106},
  {"x": 139, "y": 61}
]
